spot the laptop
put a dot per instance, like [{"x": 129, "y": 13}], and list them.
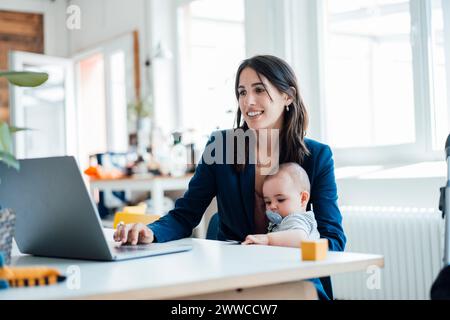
[{"x": 56, "y": 217}]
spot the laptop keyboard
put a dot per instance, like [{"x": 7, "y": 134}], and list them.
[
  {"x": 144, "y": 250},
  {"x": 128, "y": 248}
]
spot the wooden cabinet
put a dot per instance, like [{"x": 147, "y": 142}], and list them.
[{"x": 18, "y": 31}]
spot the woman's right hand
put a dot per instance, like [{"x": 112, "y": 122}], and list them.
[{"x": 134, "y": 233}]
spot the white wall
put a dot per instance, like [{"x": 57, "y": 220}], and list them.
[
  {"x": 302, "y": 52},
  {"x": 106, "y": 20},
  {"x": 162, "y": 18},
  {"x": 262, "y": 27},
  {"x": 407, "y": 192},
  {"x": 103, "y": 20}
]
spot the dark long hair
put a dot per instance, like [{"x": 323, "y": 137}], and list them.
[{"x": 295, "y": 121}]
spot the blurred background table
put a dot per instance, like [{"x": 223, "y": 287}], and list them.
[{"x": 157, "y": 185}]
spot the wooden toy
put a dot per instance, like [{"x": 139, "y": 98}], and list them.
[
  {"x": 27, "y": 276},
  {"x": 314, "y": 250},
  {"x": 127, "y": 217},
  {"x": 140, "y": 208}
]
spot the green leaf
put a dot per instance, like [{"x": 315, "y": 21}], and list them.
[
  {"x": 25, "y": 78},
  {"x": 16, "y": 129},
  {"x": 5, "y": 138},
  {"x": 9, "y": 160}
]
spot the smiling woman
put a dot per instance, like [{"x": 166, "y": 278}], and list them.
[
  {"x": 269, "y": 101},
  {"x": 260, "y": 102},
  {"x": 274, "y": 104}
]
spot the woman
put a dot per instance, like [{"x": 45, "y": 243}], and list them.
[{"x": 269, "y": 101}]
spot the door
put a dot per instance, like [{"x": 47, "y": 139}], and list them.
[
  {"x": 82, "y": 109},
  {"x": 48, "y": 111}
]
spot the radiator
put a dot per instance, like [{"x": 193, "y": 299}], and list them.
[{"x": 411, "y": 241}]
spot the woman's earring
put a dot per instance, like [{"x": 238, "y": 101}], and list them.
[{"x": 287, "y": 108}]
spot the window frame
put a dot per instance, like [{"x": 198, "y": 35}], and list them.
[{"x": 422, "y": 63}]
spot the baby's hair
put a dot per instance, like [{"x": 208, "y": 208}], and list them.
[{"x": 295, "y": 172}]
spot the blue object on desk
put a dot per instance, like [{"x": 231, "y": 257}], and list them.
[
  {"x": 3, "y": 283},
  {"x": 117, "y": 160}
]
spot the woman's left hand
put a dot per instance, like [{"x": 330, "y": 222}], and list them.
[{"x": 262, "y": 239}]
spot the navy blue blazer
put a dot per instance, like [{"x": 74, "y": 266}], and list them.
[{"x": 235, "y": 194}]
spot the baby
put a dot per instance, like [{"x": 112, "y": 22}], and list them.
[{"x": 286, "y": 194}]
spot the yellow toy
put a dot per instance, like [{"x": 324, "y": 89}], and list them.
[
  {"x": 139, "y": 209},
  {"x": 127, "y": 218},
  {"x": 314, "y": 250},
  {"x": 134, "y": 214},
  {"x": 27, "y": 276}
]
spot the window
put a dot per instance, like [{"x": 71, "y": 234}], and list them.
[
  {"x": 211, "y": 46},
  {"x": 104, "y": 86},
  {"x": 440, "y": 113},
  {"x": 91, "y": 107},
  {"x": 118, "y": 101},
  {"x": 384, "y": 79}
]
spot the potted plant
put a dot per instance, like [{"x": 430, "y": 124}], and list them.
[
  {"x": 7, "y": 216},
  {"x": 140, "y": 113}
]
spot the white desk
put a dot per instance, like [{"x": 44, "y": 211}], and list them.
[
  {"x": 156, "y": 185},
  {"x": 211, "y": 270}
]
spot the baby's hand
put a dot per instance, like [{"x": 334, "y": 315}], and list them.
[{"x": 262, "y": 239}]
